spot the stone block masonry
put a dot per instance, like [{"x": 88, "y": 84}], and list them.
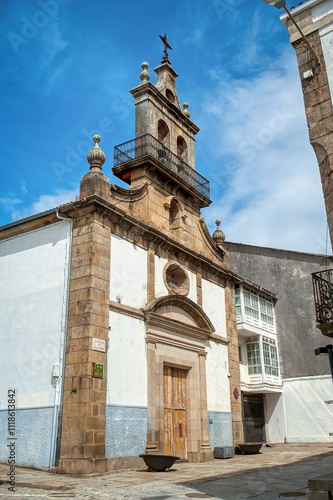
[{"x": 84, "y": 421}]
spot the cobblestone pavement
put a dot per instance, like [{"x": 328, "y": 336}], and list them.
[{"x": 278, "y": 472}]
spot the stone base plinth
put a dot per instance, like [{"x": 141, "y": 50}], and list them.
[
  {"x": 206, "y": 454},
  {"x": 82, "y": 465},
  {"x": 99, "y": 465},
  {"x": 224, "y": 452}
]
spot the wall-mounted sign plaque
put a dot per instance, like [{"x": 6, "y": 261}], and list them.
[
  {"x": 97, "y": 370},
  {"x": 98, "y": 345}
]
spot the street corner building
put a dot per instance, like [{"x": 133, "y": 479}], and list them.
[
  {"x": 118, "y": 315},
  {"x": 315, "y": 21}
]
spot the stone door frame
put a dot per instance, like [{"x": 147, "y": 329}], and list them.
[{"x": 180, "y": 345}]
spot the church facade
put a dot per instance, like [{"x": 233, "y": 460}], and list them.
[{"x": 135, "y": 350}]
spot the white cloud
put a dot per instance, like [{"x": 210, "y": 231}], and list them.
[
  {"x": 267, "y": 186},
  {"x": 10, "y": 202},
  {"x": 23, "y": 188},
  {"x": 46, "y": 202}
]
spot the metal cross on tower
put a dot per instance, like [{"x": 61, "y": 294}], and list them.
[{"x": 166, "y": 46}]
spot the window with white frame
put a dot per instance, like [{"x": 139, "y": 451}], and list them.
[
  {"x": 251, "y": 304},
  {"x": 271, "y": 361},
  {"x": 257, "y": 307},
  {"x": 266, "y": 311},
  {"x": 253, "y": 356}
]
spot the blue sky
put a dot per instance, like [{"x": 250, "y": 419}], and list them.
[{"x": 67, "y": 67}]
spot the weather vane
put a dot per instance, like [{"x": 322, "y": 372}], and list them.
[{"x": 166, "y": 46}]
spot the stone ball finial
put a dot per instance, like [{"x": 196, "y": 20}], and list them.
[
  {"x": 96, "y": 157},
  {"x": 186, "y": 112},
  {"x": 144, "y": 75},
  {"x": 218, "y": 235}
]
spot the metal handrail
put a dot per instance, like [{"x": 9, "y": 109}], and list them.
[
  {"x": 148, "y": 145},
  {"x": 323, "y": 295}
]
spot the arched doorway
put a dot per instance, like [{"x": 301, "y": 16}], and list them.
[{"x": 177, "y": 329}]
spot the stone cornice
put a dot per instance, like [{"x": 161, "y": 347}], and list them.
[
  {"x": 149, "y": 161},
  {"x": 126, "y": 310},
  {"x": 164, "y": 323},
  {"x": 308, "y": 29},
  {"x": 161, "y": 338},
  {"x": 218, "y": 339},
  {"x": 151, "y": 235}
]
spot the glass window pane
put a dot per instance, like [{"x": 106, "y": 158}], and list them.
[
  {"x": 248, "y": 311},
  {"x": 271, "y": 361},
  {"x": 247, "y": 300},
  {"x": 254, "y": 314},
  {"x": 254, "y": 302},
  {"x": 237, "y": 296},
  {"x": 269, "y": 308}
]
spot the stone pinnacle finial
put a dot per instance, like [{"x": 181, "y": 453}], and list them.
[
  {"x": 96, "y": 157},
  {"x": 218, "y": 235},
  {"x": 144, "y": 75},
  {"x": 186, "y": 112}
]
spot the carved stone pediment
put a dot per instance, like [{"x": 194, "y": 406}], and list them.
[{"x": 177, "y": 317}]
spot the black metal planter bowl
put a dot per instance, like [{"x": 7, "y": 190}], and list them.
[
  {"x": 159, "y": 463},
  {"x": 250, "y": 448}
]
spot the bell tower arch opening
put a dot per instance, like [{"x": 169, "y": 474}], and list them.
[
  {"x": 163, "y": 133},
  {"x": 181, "y": 148}
]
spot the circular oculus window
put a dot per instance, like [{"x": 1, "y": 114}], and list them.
[
  {"x": 170, "y": 95},
  {"x": 176, "y": 279}
]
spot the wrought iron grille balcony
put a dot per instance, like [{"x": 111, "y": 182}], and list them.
[
  {"x": 323, "y": 295},
  {"x": 148, "y": 145}
]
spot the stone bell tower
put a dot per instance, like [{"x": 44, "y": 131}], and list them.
[
  {"x": 162, "y": 156},
  {"x": 158, "y": 112}
]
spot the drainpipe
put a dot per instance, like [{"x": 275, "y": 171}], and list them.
[{"x": 57, "y": 414}]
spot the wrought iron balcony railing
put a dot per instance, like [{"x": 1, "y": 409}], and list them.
[
  {"x": 323, "y": 295},
  {"x": 148, "y": 145}
]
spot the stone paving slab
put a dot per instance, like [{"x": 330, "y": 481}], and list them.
[{"x": 277, "y": 470}]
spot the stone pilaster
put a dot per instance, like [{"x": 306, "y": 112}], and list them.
[
  {"x": 150, "y": 276},
  {"x": 153, "y": 435},
  {"x": 83, "y": 421},
  {"x": 206, "y": 452},
  {"x": 199, "y": 289},
  {"x": 233, "y": 358}
]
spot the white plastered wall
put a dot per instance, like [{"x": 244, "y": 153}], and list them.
[
  {"x": 33, "y": 294},
  {"x": 275, "y": 418},
  {"x": 326, "y": 36},
  {"x": 128, "y": 280},
  {"x": 127, "y": 366},
  {"x": 218, "y": 397},
  {"x": 213, "y": 303},
  {"x": 160, "y": 288},
  {"x": 308, "y": 418}
]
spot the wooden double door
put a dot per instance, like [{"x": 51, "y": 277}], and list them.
[{"x": 174, "y": 395}]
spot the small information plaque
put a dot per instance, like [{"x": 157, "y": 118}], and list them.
[
  {"x": 97, "y": 370},
  {"x": 98, "y": 345}
]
